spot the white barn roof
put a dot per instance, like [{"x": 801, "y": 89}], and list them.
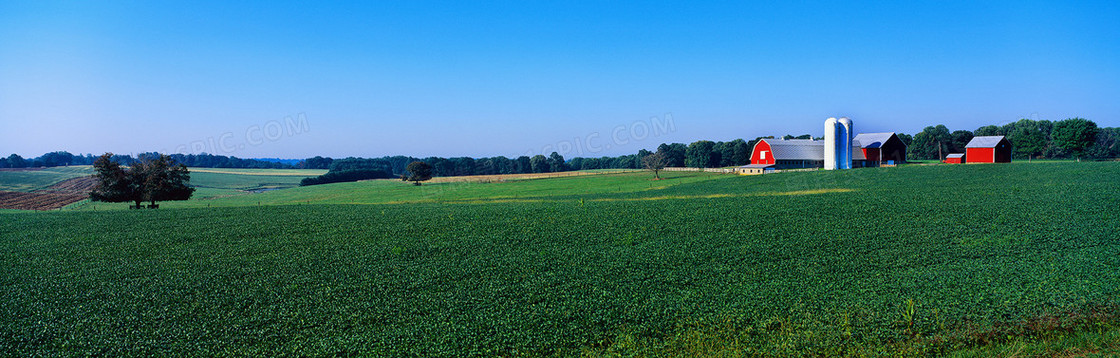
[
  {"x": 872, "y": 140},
  {"x": 804, "y": 149},
  {"x": 984, "y": 142},
  {"x": 957, "y": 155}
]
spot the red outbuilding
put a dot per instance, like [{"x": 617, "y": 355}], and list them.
[
  {"x": 988, "y": 149},
  {"x": 881, "y": 148},
  {"x": 956, "y": 158}
]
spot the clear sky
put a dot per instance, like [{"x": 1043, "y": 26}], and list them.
[{"x": 477, "y": 79}]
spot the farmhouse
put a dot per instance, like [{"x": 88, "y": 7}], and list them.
[
  {"x": 955, "y": 158},
  {"x": 881, "y": 148},
  {"x": 988, "y": 149}
]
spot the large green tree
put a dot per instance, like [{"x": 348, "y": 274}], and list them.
[
  {"x": 154, "y": 179},
  {"x": 1029, "y": 138},
  {"x": 959, "y": 139},
  {"x": 1075, "y": 135}
]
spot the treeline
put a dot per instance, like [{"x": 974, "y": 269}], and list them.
[
  {"x": 1074, "y": 138},
  {"x": 62, "y": 158},
  {"x": 1065, "y": 139}
]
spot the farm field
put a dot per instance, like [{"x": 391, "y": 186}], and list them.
[
  {"x": 907, "y": 261},
  {"x": 392, "y": 191},
  {"x": 53, "y": 188},
  {"x": 28, "y": 180}
]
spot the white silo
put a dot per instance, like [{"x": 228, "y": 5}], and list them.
[
  {"x": 831, "y": 137},
  {"x": 846, "y": 148}
]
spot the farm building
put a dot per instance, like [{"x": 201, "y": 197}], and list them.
[
  {"x": 956, "y": 158},
  {"x": 988, "y": 149},
  {"x": 881, "y": 148},
  {"x": 791, "y": 154}
]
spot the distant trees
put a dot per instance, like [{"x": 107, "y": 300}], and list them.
[
  {"x": 418, "y": 172},
  {"x": 1106, "y": 145},
  {"x": 15, "y": 161},
  {"x": 538, "y": 164},
  {"x": 701, "y": 155},
  {"x": 556, "y": 163},
  {"x": 654, "y": 162},
  {"x": 1075, "y": 135},
  {"x": 674, "y": 154},
  {"x": 958, "y": 140},
  {"x": 315, "y": 162},
  {"x": 156, "y": 179},
  {"x": 931, "y": 143}
]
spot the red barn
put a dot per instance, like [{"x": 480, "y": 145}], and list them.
[
  {"x": 795, "y": 153},
  {"x": 956, "y": 158},
  {"x": 881, "y": 148},
  {"x": 789, "y": 153},
  {"x": 988, "y": 149}
]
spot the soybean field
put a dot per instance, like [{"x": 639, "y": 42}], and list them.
[{"x": 907, "y": 261}]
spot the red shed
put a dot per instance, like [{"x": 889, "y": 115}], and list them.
[
  {"x": 988, "y": 149},
  {"x": 956, "y": 158}
]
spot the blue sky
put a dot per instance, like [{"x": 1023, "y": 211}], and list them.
[{"x": 509, "y": 78}]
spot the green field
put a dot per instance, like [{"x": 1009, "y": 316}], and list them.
[
  {"x": 914, "y": 260},
  {"x": 32, "y": 180},
  {"x": 395, "y": 191}
]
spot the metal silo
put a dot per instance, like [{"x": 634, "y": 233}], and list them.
[
  {"x": 846, "y": 147},
  {"x": 831, "y": 144}
]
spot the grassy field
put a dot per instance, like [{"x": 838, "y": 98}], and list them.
[{"x": 965, "y": 260}]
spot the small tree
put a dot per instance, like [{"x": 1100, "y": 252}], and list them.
[
  {"x": 655, "y": 162},
  {"x": 418, "y": 172}
]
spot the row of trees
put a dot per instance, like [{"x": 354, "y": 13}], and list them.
[
  {"x": 63, "y": 158},
  {"x": 1071, "y": 138}
]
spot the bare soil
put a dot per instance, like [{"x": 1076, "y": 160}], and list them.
[{"x": 53, "y": 197}]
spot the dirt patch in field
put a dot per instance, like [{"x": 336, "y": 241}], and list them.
[
  {"x": 53, "y": 197},
  {"x": 82, "y": 185},
  {"x": 37, "y": 200}
]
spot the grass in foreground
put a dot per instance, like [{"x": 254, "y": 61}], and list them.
[{"x": 889, "y": 261}]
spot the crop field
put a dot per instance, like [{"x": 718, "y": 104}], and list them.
[
  {"x": 906, "y": 261},
  {"x": 391, "y": 191},
  {"x": 32, "y": 179}
]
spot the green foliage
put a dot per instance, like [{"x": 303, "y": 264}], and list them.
[
  {"x": 1075, "y": 135},
  {"x": 700, "y": 154},
  {"x": 959, "y": 139},
  {"x": 153, "y": 179},
  {"x": 933, "y": 142},
  {"x": 346, "y": 175},
  {"x": 418, "y": 172},
  {"x": 539, "y": 164},
  {"x": 793, "y": 264}
]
